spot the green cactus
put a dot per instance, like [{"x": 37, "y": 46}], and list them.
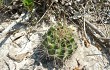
[{"x": 59, "y": 41}]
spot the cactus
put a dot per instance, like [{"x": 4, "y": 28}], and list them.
[{"x": 59, "y": 41}]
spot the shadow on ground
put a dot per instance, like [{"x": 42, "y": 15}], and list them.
[{"x": 50, "y": 63}]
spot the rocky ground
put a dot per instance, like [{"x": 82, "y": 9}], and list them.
[
  {"x": 20, "y": 48},
  {"x": 18, "y": 51}
]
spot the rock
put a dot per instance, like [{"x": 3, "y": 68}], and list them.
[{"x": 17, "y": 57}]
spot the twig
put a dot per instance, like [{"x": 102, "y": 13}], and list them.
[
  {"x": 97, "y": 40},
  {"x": 45, "y": 13},
  {"x": 104, "y": 38},
  {"x": 94, "y": 28}
]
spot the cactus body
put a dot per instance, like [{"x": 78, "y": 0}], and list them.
[{"x": 59, "y": 41}]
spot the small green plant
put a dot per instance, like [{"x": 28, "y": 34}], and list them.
[
  {"x": 28, "y": 4},
  {"x": 1, "y": 3},
  {"x": 59, "y": 41}
]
